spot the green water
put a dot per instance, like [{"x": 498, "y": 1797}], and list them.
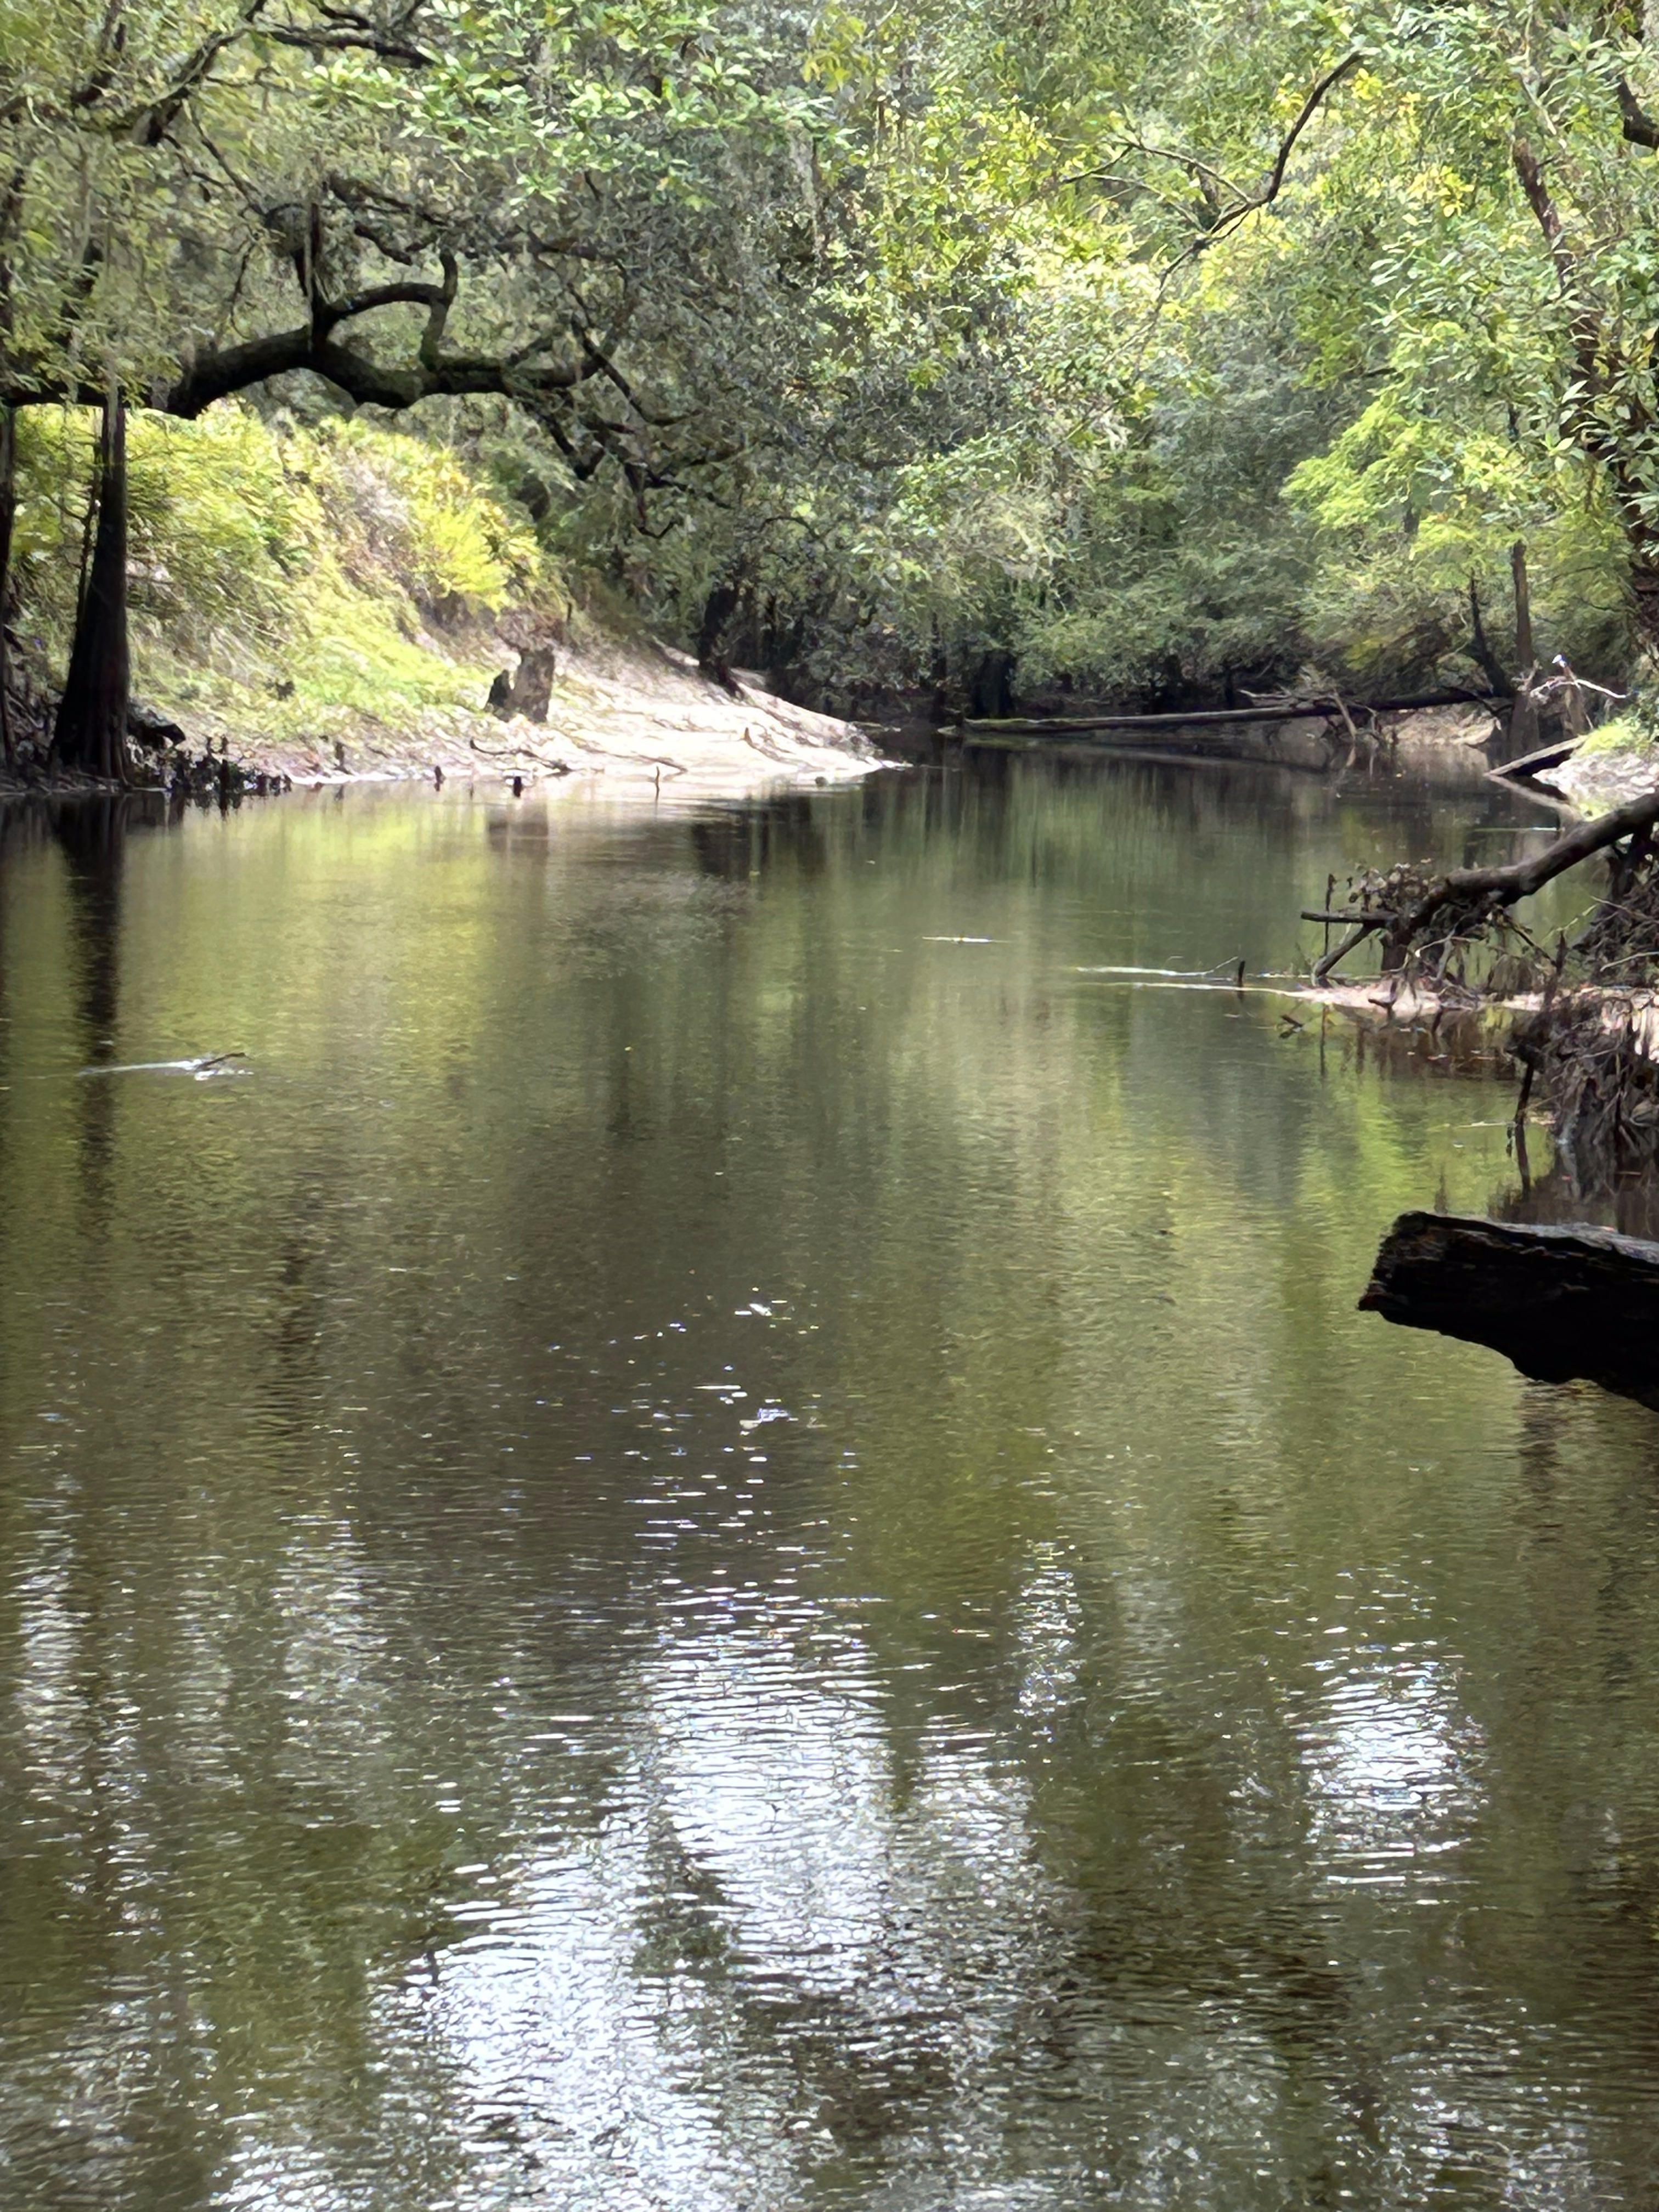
[{"x": 725, "y": 1539}]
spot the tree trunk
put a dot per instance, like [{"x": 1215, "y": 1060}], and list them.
[
  {"x": 939, "y": 674},
  {"x": 92, "y": 716},
  {"x": 1644, "y": 592},
  {"x": 717, "y": 609},
  {"x": 1526, "y": 657},
  {"x": 7, "y": 513},
  {"x": 1516, "y": 733},
  {"x": 529, "y": 689},
  {"x": 991, "y": 692},
  {"x": 1523, "y": 735}
]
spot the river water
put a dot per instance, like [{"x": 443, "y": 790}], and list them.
[{"x": 723, "y": 1539}]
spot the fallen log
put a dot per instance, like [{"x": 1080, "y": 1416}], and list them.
[
  {"x": 1535, "y": 762},
  {"x": 1057, "y": 726},
  {"x": 1472, "y": 889},
  {"x": 1561, "y": 1304}
]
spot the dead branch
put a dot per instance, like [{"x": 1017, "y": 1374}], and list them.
[{"x": 1473, "y": 896}]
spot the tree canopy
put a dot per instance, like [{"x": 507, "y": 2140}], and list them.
[{"x": 1139, "y": 345}]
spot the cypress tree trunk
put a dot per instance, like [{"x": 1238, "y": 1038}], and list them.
[
  {"x": 92, "y": 716},
  {"x": 8, "y": 512}
]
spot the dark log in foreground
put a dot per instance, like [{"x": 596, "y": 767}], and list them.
[
  {"x": 1202, "y": 717},
  {"x": 1562, "y": 1305}
]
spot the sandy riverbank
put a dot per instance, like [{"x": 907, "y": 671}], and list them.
[{"x": 635, "y": 716}]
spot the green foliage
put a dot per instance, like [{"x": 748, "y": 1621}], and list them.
[
  {"x": 268, "y": 553},
  {"x": 1412, "y": 505},
  {"x": 1153, "y": 345},
  {"x": 399, "y": 506},
  {"x": 219, "y": 533},
  {"x": 1624, "y": 733}
]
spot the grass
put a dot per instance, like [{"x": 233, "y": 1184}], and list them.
[{"x": 286, "y": 580}]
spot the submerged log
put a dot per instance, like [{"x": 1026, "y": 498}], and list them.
[{"x": 1561, "y": 1304}]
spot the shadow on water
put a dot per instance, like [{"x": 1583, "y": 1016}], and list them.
[
  {"x": 89, "y": 837},
  {"x": 1566, "y": 1194}
]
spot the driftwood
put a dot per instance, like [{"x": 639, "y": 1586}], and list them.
[
  {"x": 1468, "y": 897},
  {"x": 1561, "y": 1304},
  {"x": 1539, "y": 761}
]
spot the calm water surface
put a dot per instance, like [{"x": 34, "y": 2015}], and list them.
[{"x": 726, "y": 1541}]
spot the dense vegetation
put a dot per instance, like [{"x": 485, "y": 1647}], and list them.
[{"x": 1116, "y": 344}]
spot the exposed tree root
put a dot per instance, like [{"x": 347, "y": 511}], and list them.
[
  {"x": 1412, "y": 912},
  {"x": 1588, "y": 1041}
]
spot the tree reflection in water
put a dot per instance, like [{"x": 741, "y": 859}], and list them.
[{"x": 728, "y": 1540}]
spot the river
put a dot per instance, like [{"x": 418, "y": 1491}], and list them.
[{"x": 720, "y": 1535}]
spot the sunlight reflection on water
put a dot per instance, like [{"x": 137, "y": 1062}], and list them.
[{"x": 701, "y": 1553}]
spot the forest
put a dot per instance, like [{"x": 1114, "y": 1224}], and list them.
[
  {"x": 829, "y": 1105},
  {"x": 1112, "y": 348}
]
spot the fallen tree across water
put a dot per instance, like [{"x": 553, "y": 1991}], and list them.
[
  {"x": 1286, "y": 709},
  {"x": 1562, "y": 1305},
  {"x": 1413, "y": 913},
  {"x": 1585, "y": 1016}
]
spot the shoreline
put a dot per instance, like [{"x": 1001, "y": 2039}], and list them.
[{"x": 645, "y": 718}]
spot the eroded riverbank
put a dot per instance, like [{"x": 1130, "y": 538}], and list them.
[{"x": 637, "y": 715}]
